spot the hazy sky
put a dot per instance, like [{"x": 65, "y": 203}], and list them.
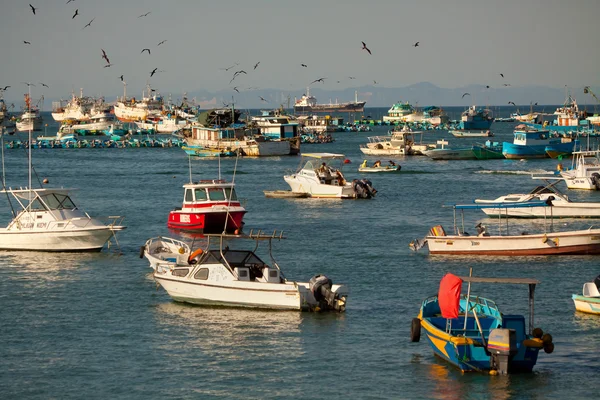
[{"x": 532, "y": 42}]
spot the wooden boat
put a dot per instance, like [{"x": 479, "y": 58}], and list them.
[
  {"x": 471, "y": 333},
  {"x": 589, "y": 301},
  {"x": 504, "y": 243},
  {"x": 284, "y": 194},
  {"x": 560, "y": 205},
  {"x": 209, "y": 206},
  {"x": 585, "y": 171},
  {"x": 220, "y": 275},
  {"x": 465, "y": 133}
]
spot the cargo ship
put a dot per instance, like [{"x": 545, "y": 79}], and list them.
[{"x": 308, "y": 103}]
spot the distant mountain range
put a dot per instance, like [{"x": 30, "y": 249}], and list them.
[{"x": 420, "y": 94}]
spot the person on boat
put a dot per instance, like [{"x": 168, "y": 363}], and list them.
[
  {"x": 340, "y": 177},
  {"x": 393, "y": 164},
  {"x": 364, "y": 164},
  {"x": 377, "y": 164}
]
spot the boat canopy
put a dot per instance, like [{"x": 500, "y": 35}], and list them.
[
  {"x": 479, "y": 206},
  {"x": 24, "y": 193},
  {"x": 323, "y": 155}
]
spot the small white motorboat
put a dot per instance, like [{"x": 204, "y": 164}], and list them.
[
  {"x": 392, "y": 167},
  {"x": 585, "y": 171},
  {"x": 465, "y": 133},
  {"x": 220, "y": 275},
  {"x": 589, "y": 301}
]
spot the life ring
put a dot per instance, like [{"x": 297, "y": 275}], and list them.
[{"x": 192, "y": 258}]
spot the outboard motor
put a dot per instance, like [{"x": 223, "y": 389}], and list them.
[
  {"x": 597, "y": 282},
  {"x": 359, "y": 190},
  {"x": 368, "y": 188},
  {"x": 502, "y": 346},
  {"x": 320, "y": 286},
  {"x": 596, "y": 180}
]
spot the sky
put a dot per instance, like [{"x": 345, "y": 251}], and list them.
[{"x": 532, "y": 42}]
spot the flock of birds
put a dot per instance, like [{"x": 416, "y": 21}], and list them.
[{"x": 236, "y": 74}]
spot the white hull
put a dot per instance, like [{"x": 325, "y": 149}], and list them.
[
  {"x": 581, "y": 183},
  {"x": 250, "y": 148},
  {"x": 470, "y": 133},
  {"x": 382, "y": 152},
  {"x": 130, "y": 114},
  {"x": 164, "y": 126},
  {"x": 75, "y": 115},
  {"x": 92, "y": 239},
  {"x": 559, "y": 209},
  {"x": 388, "y": 168},
  {"x": 301, "y": 183},
  {"x": 570, "y": 242},
  {"x": 30, "y": 125},
  {"x": 587, "y": 306},
  {"x": 585, "y": 172}
]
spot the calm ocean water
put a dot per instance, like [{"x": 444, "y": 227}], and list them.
[{"x": 96, "y": 326}]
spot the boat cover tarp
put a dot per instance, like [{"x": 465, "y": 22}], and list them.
[{"x": 449, "y": 295}]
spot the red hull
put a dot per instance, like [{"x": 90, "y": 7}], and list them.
[{"x": 213, "y": 222}]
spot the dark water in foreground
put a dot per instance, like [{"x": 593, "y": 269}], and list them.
[{"x": 95, "y": 325}]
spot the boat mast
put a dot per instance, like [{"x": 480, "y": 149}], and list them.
[{"x": 29, "y": 144}]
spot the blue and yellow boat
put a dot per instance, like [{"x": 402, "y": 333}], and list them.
[{"x": 471, "y": 333}]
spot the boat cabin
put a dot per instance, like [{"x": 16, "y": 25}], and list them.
[{"x": 206, "y": 191}]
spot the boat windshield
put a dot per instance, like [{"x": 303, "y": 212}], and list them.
[
  {"x": 216, "y": 194},
  {"x": 230, "y": 194},
  {"x": 54, "y": 201}
]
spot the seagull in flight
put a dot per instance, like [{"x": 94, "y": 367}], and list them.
[
  {"x": 256, "y": 65},
  {"x": 502, "y": 75},
  {"x": 155, "y": 70},
  {"x": 32, "y": 9},
  {"x": 416, "y": 44},
  {"x": 143, "y": 15},
  {"x": 352, "y": 77},
  {"x": 374, "y": 82},
  {"x": 28, "y": 84},
  {"x": 161, "y": 43},
  {"x": 487, "y": 86},
  {"x": 365, "y": 47},
  {"x": 506, "y": 84},
  {"x": 43, "y": 84},
  {"x": 4, "y": 88},
  {"x": 228, "y": 68},
  {"x": 236, "y": 89},
  {"x": 89, "y": 23},
  {"x": 510, "y": 102},
  {"x": 69, "y": 1},
  {"x": 26, "y": 42},
  {"x": 105, "y": 56},
  {"x": 304, "y": 65},
  {"x": 465, "y": 94},
  {"x": 237, "y": 73},
  {"x": 143, "y": 50},
  {"x": 322, "y": 80},
  {"x": 76, "y": 13},
  {"x": 263, "y": 99},
  {"x": 121, "y": 77}
]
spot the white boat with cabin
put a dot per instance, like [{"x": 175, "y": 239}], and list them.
[
  {"x": 401, "y": 142},
  {"x": 584, "y": 172},
  {"x": 220, "y": 275},
  {"x": 132, "y": 110}
]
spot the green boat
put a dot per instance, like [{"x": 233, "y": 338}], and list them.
[{"x": 488, "y": 151}]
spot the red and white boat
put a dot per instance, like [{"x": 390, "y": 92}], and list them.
[{"x": 209, "y": 206}]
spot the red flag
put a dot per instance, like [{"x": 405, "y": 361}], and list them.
[{"x": 449, "y": 295}]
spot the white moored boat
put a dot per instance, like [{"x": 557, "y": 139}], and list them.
[
  {"x": 585, "y": 171},
  {"x": 504, "y": 243},
  {"x": 319, "y": 178},
  {"x": 589, "y": 300},
  {"x": 561, "y": 205},
  {"x": 220, "y": 275},
  {"x": 131, "y": 110}
]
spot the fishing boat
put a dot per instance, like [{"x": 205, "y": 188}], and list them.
[
  {"x": 220, "y": 129},
  {"x": 200, "y": 151},
  {"x": 475, "y": 119},
  {"x": 308, "y": 104},
  {"x": 471, "y": 333},
  {"x": 446, "y": 153},
  {"x": 531, "y": 143},
  {"x": 209, "y": 206},
  {"x": 220, "y": 274},
  {"x": 320, "y": 176},
  {"x": 566, "y": 118},
  {"x": 584, "y": 172},
  {"x": 560, "y": 205},
  {"x": 488, "y": 151},
  {"x": 78, "y": 108},
  {"x": 399, "y": 112},
  {"x": 505, "y": 243},
  {"x": 391, "y": 167},
  {"x": 589, "y": 300},
  {"x": 461, "y": 133},
  {"x": 401, "y": 142},
  {"x": 30, "y": 119},
  {"x": 132, "y": 110},
  {"x": 277, "y": 125}
]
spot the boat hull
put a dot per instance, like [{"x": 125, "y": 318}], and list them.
[
  {"x": 558, "y": 210},
  {"x": 450, "y": 154},
  {"x": 388, "y": 168},
  {"x": 556, "y": 243},
  {"x": 301, "y": 184},
  {"x": 206, "y": 221},
  {"x": 590, "y": 305},
  {"x": 342, "y": 107},
  {"x": 466, "y": 133},
  {"x": 487, "y": 153},
  {"x": 57, "y": 241}
]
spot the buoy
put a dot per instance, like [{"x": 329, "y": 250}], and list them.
[
  {"x": 45, "y": 180},
  {"x": 181, "y": 250},
  {"x": 493, "y": 372},
  {"x": 347, "y": 161},
  {"x": 538, "y": 333},
  {"x": 237, "y": 231}
]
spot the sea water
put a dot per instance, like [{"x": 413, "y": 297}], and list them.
[{"x": 97, "y": 325}]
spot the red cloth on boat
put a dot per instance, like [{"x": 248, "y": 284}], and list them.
[{"x": 449, "y": 295}]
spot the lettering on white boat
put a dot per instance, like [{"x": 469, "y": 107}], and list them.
[
  {"x": 449, "y": 242},
  {"x": 41, "y": 225},
  {"x": 184, "y": 218},
  {"x": 474, "y": 243},
  {"x": 595, "y": 238}
]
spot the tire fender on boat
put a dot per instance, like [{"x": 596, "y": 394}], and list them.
[
  {"x": 415, "y": 330},
  {"x": 142, "y": 250}
]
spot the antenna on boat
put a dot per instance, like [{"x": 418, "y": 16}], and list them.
[
  {"x": 231, "y": 191},
  {"x": 29, "y": 140}
]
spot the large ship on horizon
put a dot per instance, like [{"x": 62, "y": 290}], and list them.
[{"x": 308, "y": 103}]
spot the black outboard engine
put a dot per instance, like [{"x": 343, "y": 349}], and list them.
[
  {"x": 596, "y": 180},
  {"x": 359, "y": 189},
  {"x": 597, "y": 282},
  {"x": 368, "y": 188},
  {"x": 320, "y": 286}
]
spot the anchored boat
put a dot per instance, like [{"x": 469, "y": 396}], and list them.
[
  {"x": 589, "y": 301},
  {"x": 218, "y": 274},
  {"x": 471, "y": 333}
]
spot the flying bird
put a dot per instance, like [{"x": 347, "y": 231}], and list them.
[
  {"x": 263, "y": 99},
  {"x": 153, "y": 72},
  {"x": 5, "y": 87},
  {"x": 256, "y": 65},
  {"x": 416, "y": 44},
  {"x": 69, "y": 1},
  {"x": 304, "y": 65},
  {"x": 228, "y": 68},
  {"x": 43, "y": 84},
  {"x": 506, "y": 84},
  {"x": 237, "y": 73},
  {"x": 108, "y": 65},
  {"x": 143, "y": 50},
  {"x": 535, "y": 104},
  {"x": 465, "y": 94},
  {"x": 27, "y": 83},
  {"x": 322, "y": 80},
  {"x": 510, "y": 102},
  {"x": 121, "y": 77},
  {"x": 161, "y": 42},
  {"x": 76, "y": 13},
  {"x": 105, "y": 56},
  {"x": 502, "y": 75},
  {"x": 89, "y": 23},
  {"x": 26, "y": 42},
  {"x": 236, "y": 89},
  {"x": 487, "y": 86},
  {"x": 374, "y": 82},
  {"x": 143, "y": 15},
  {"x": 32, "y": 9},
  {"x": 365, "y": 47},
  {"x": 351, "y": 77}
]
